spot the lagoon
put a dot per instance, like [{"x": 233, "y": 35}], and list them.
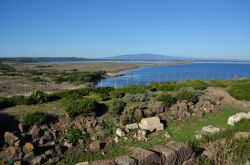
[{"x": 194, "y": 71}]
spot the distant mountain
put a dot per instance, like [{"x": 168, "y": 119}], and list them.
[{"x": 146, "y": 57}]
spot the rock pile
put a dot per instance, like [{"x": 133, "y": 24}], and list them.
[{"x": 232, "y": 120}]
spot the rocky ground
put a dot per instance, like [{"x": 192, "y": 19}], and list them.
[{"x": 143, "y": 117}]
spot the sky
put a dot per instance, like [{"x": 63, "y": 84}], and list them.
[{"x": 101, "y": 28}]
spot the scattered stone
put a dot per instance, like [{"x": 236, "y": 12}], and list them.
[
  {"x": 190, "y": 161},
  {"x": 183, "y": 151},
  {"x": 17, "y": 163},
  {"x": 125, "y": 160},
  {"x": 238, "y": 117},
  {"x": 10, "y": 138},
  {"x": 142, "y": 135},
  {"x": 103, "y": 162},
  {"x": 198, "y": 136},
  {"x": 167, "y": 135},
  {"x": 120, "y": 132},
  {"x": 151, "y": 124},
  {"x": 97, "y": 146},
  {"x": 168, "y": 155},
  {"x": 132, "y": 126},
  {"x": 209, "y": 129},
  {"x": 29, "y": 156},
  {"x": 116, "y": 139},
  {"x": 67, "y": 144},
  {"x": 28, "y": 147},
  {"x": 21, "y": 127},
  {"x": 53, "y": 160},
  {"x": 83, "y": 163},
  {"x": 49, "y": 152},
  {"x": 59, "y": 150},
  {"x": 38, "y": 159},
  {"x": 104, "y": 134},
  {"x": 35, "y": 132},
  {"x": 242, "y": 135},
  {"x": 145, "y": 156}
]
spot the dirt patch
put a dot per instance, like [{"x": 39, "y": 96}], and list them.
[{"x": 226, "y": 98}]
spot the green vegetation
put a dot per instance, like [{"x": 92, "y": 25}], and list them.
[
  {"x": 4, "y": 103},
  {"x": 77, "y": 76},
  {"x": 167, "y": 99},
  {"x": 134, "y": 89},
  {"x": 173, "y": 86},
  {"x": 38, "y": 97},
  {"x": 37, "y": 118},
  {"x": 117, "y": 106},
  {"x": 185, "y": 130},
  {"x": 240, "y": 91},
  {"x": 188, "y": 95},
  {"x": 117, "y": 94},
  {"x": 76, "y": 134},
  {"x": 81, "y": 107}
]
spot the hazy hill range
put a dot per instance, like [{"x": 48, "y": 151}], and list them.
[{"x": 146, "y": 57}]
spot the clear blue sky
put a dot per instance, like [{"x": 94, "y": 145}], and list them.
[{"x": 99, "y": 28}]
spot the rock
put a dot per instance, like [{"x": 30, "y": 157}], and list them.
[
  {"x": 83, "y": 163},
  {"x": 209, "y": 129},
  {"x": 38, "y": 160},
  {"x": 151, "y": 124},
  {"x": 103, "y": 162},
  {"x": 190, "y": 161},
  {"x": 97, "y": 146},
  {"x": 116, "y": 139},
  {"x": 120, "y": 132},
  {"x": 59, "y": 150},
  {"x": 125, "y": 160},
  {"x": 17, "y": 163},
  {"x": 238, "y": 117},
  {"x": 198, "y": 136},
  {"x": 11, "y": 153},
  {"x": 145, "y": 156},
  {"x": 10, "y": 138},
  {"x": 132, "y": 126},
  {"x": 156, "y": 107},
  {"x": 29, "y": 156},
  {"x": 168, "y": 155},
  {"x": 147, "y": 113},
  {"x": 183, "y": 151},
  {"x": 242, "y": 135},
  {"x": 199, "y": 113},
  {"x": 53, "y": 160},
  {"x": 21, "y": 127},
  {"x": 104, "y": 134},
  {"x": 28, "y": 147},
  {"x": 142, "y": 135},
  {"x": 35, "y": 132},
  {"x": 49, "y": 152},
  {"x": 167, "y": 135},
  {"x": 67, "y": 144}
]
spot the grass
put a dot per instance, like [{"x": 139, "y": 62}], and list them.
[
  {"x": 185, "y": 130},
  {"x": 240, "y": 91}
]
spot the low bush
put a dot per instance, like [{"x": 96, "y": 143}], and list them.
[
  {"x": 167, "y": 99},
  {"x": 117, "y": 94},
  {"x": 240, "y": 91},
  {"x": 188, "y": 95},
  {"x": 37, "y": 118},
  {"x": 174, "y": 86},
  {"x": 135, "y": 89},
  {"x": 18, "y": 100},
  {"x": 117, "y": 106},
  {"x": 38, "y": 97},
  {"x": 4, "y": 103},
  {"x": 99, "y": 96},
  {"x": 103, "y": 90},
  {"x": 81, "y": 107},
  {"x": 75, "y": 134}
]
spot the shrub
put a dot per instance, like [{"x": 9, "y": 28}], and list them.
[
  {"x": 173, "y": 86},
  {"x": 188, "y": 95},
  {"x": 37, "y": 118},
  {"x": 167, "y": 99},
  {"x": 135, "y": 89},
  {"x": 38, "y": 97},
  {"x": 4, "y": 103},
  {"x": 217, "y": 83},
  {"x": 104, "y": 90},
  {"x": 117, "y": 106},
  {"x": 99, "y": 96},
  {"x": 84, "y": 106},
  {"x": 117, "y": 94},
  {"x": 240, "y": 91},
  {"x": 75, "y": 134},
  {"x": 18, "y": 100}
]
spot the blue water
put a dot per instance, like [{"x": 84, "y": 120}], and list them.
[{"x": 195, "y": 71}]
